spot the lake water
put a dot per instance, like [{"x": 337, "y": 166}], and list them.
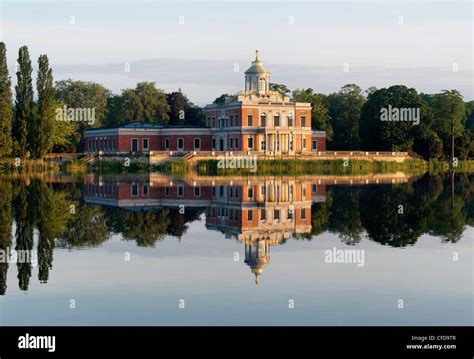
[{"x": 155, "y": 250}]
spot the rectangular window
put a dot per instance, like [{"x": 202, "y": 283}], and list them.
[
  {"x": 263, "y": 120},
  {"x": 145, "y": 144},
  {"x": 249, "y": 215},
  {"x": 231, "y": 121},
  {"x": 276, "y": 214},
  {"x": 180, "y": 191},
  {"x": 134, "y": 189},
  {"x": 303, "y": 213},
  {"x": 315, "y": 145},
  {"x": 236, "y": 120},
  {"x": 221, "y": 191},
  {"x": 249, "y": 120},
  {"x": 134, "y": 144},
  {"x": 276, "y": 119},
  {"x": 197, "y": 144},
  {"x": 213, "y": 122},
  {"x": 231, "y": 142},
  {"x": 146, "y": 190},
  {"x": 304, "y": 143},
  {"x": 167, "y": 191},
  {"x": 315, "y": 188},
  {"x": 303, "y": 121},
  {"x": 250, "y": 192},
  {"x": 250, "y": 142},
  {"x": 236, "y": 143},
  {"x": 290, "y": 214},
  {"x": 263, "y": 214},
  {"x": 213, "y": 143},
  {"x": 197, "y": 191},
  {"x": 167, "y": 143},
  {"x": 290, "y": 121},
  {"x": 113, "y": 145},
  {"x": 180, "y": 144}
]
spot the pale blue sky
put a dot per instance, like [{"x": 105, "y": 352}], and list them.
[{"x": 325, "y": 35}]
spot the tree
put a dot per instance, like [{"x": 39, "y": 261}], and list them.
[
  {"x": 377, "y": 134},
  {"x": 6, "y": 112},
  {"x": 221, "y": 98},
  {"x": 41, "y": 140},
  {"x": 145, "y": 104},
  {"x": 469, "y": 116},
  {"x": 320, "y": 119},
  {"x": 449, "y": 112},
  {"x": 177, "y": 104},
  {"x": 344, "y": 110},
  {"x": 84, "y": 96},
  {"x": 282, "y": 89},
  {"x": 23, "y": 103}
]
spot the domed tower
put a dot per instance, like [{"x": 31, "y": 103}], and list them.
[
  {"x": 257, "y": 256},
  {"x": 257, "y": 78}
]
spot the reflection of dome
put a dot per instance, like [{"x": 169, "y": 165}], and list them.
[{"x": 257, "y": 256}]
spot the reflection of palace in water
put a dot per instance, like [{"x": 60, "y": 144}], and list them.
[{"x": 259, "y": 212}]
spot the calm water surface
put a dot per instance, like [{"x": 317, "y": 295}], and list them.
[{"x": 154, "y": 250}]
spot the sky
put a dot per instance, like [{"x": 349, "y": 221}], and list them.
[{"x": 204, "y": 47}]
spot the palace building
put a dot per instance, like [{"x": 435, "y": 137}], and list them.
[{"x": 256, "y": 120}]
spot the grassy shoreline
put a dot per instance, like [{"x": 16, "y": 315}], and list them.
[
  {"x": 319, "y": 167},
  {"x": 264, "y": 167}
]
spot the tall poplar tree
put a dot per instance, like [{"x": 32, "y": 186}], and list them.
[
  {"x": 42, "y": 139},
  {"x": 6, "y": 114},
  {"x": 23, "y": 102}
]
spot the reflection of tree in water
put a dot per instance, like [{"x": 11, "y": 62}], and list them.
[
  {"x": 24, "y": 205},
  {"x": 144, "y": 227},
  {"x": 53, "y": 215},
  {"x": 86, "y": 228},
  {"x": 450, "y": 212},
  {"x": 178, "y": 223},
  {"x": 5, "y": 229},
  {"x": 344, "y": 217},
  {"x": 428, "y": 207}
]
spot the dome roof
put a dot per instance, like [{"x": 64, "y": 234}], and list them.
[{"x": 257, "y": 66}]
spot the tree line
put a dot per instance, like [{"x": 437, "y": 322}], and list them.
[
  {"x": 352, "y": 120},
  {"x": 29, "y": 124}
]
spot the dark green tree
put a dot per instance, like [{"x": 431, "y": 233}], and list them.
[
  {"x": 449, "y": 113},
  {"x": 6, "y": 113},
  {"x": 376, "y": 134},
  {"x": 221, "y": 98},
  {"x": 177, "y": 104},
  {"x": 23, "y": 104},
  {"x": 145, "y": 104},
  {"x": 282, "y": 89},
  {"x": 344, "y": 110},
  {"x": 320, "y": 119},
  {"x": 41, "y": 140}
]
